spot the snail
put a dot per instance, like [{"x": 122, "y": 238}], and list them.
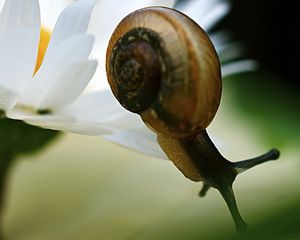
[{"x": 161, "y": 65}]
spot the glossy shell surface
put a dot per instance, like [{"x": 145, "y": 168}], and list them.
[{"x": 185, "y": 84}]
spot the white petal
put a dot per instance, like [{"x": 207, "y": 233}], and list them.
[
  {"x": 127, "y": 129},
  {"x": 220, "y": 39},
  {"x": 50, "y": 11},
  {"x": 72, "y": 21},
  {"x": 59, "y": 122},
  {"x": 196, "y": 8},
  {"x": 99, "y": 81},
  {"x": 111, "y": 14},
  {"x": 231, "y": 51},
  {"x": 20, "y": 113},
  {"x": 56, "y": 123},
  {"x": 19, "y": 36},
  {"x": 205, "y": 13},
  {"x": 165, "y": 3},
  {"x": 71, "y": 83},
  {"x": 215, "y": 15},
  {"x": 7, "y": 100},
  {"x": 103, "y": 108},
  {"x": 18, "y": 51},
  {"x": 239, "y": 67},
  {"x": 75, "y": 48},
  {"x": 55, "y": 65},
  {"x": 141, "y": 140},
  {"x": 20, "y": 14}
]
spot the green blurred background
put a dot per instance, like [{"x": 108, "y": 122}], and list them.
[{"x": 81, "y": 187}]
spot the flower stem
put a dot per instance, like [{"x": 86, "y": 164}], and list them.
[{"x": 6, "y": 161}]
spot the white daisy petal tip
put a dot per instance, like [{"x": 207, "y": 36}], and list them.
[{"x": 73, "y": 20}]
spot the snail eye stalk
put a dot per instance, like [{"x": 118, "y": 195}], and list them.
[{"x": 170, "y": 75}]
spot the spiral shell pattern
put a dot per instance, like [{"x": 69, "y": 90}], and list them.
[{"x": 162, "y": 65}]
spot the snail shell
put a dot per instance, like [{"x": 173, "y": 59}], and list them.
[{"x": 161, "y": 65}]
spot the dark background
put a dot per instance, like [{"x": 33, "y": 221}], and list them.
[{"x": 270, "y": 30}]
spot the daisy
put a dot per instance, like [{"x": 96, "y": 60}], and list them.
[
  {"x": 66, "y": 68},
  {"x": 53, "y": 97}
]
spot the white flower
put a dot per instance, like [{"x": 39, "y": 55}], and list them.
[
  {"x": 66, "y": 70},
  {"x": 18, "y": 45},
  {"x": 64, "y": 73}
]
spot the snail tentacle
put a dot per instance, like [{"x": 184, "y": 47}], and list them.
[
  {"x": 244, "y": 165},
  {"x": 204, "y": 190}
]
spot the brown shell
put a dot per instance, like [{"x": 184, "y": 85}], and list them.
[{"x": 185, "y": 89}]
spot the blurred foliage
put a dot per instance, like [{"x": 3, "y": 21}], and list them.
[
  {"x": 269, "y": 97},
  {"x": 18, "y": 138},
  {"x": 270, "y": 38},
  {"x": 283, "y": 224},
  {"x": 274, "y": 106}
]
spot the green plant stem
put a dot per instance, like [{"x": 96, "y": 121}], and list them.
[{"x": 6, "y": 162}]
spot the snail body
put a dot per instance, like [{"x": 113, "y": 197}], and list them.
[{"x": 161, "y": 65}]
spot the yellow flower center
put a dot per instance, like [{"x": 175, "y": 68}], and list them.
[{"x": 43, "y": 44}]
